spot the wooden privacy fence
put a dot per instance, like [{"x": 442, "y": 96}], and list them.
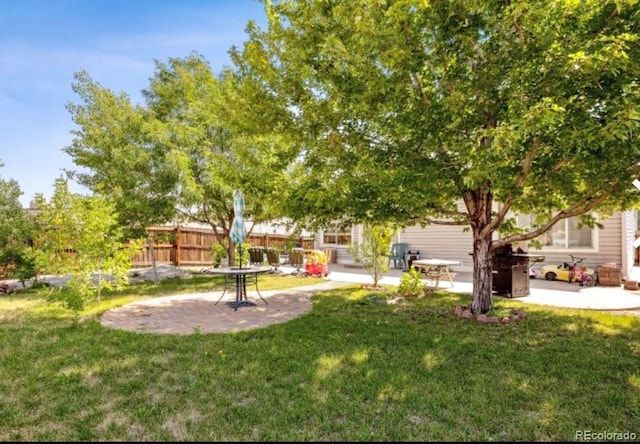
[{"x": 186, "y": 246}]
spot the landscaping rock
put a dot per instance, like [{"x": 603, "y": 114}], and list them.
[
  {"x": 6, "y": 288},
  {"x": 464, "y": 311},
  {"x": 467, "y": 314},
  {"x": 165, "y": 271},
  {"x": 55, "y": 281},
  {"x": 135, "y": 276}
]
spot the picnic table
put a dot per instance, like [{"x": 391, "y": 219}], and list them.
[{"x": 436, "y": 269}]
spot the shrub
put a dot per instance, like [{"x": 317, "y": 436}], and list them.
[
  {"x": 18, "y": 263},
  {"x": 218, "y": 251},
  {"x": 411, "y": 284},
  {"x": 244, "y": 255},
  {"x": 373, "y": 252}
]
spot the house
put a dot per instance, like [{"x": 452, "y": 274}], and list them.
[{"x": 613, "y": 243}]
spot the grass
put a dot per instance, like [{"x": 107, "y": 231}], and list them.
[{"x": 350, "y": 370}]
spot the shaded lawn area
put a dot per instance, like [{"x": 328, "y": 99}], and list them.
[{"x": 350, "y": 370}]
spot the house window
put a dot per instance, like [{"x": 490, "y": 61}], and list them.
[
  {"x": 337, "y": 236},
  {"x": 566, "y": 234}
]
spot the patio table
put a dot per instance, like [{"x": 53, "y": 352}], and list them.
[
  {"x": 436, "y": 269},
  {"x": 237, "y": 277}
]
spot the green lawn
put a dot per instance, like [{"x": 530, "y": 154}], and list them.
[{"x": 350, "y": 370}]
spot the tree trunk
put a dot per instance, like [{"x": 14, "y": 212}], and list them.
[
  {"x": 478, "y": 203},
  {"x": 231, "y": 252},
  {"x": 482, "y": 273},
  {"x": 152, "y": 253},
  {"x": 99, "y": 282}
]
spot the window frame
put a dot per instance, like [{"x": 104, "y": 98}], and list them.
[
  {"x": 565, "y": 247},
  {"x": 337, "y": 233}
]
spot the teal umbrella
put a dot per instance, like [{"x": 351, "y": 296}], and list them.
[{"x": 238, "y": 231}]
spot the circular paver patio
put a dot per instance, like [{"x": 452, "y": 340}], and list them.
[{"x": 199, "y": 313}]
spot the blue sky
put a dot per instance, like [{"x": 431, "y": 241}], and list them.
[{"x": 43, "y": 43}]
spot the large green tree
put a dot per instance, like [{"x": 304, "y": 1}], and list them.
[
  {"x": 457, "y": 112},
  {"x": 16, "y": 230},
  {"x": 15, "y": 225},
  {"x": 181, "y": 154},
  {"x": 210, "y": 128},
  {"x": 111, "y": 145}
]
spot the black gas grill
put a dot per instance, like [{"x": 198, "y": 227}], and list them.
[{"x": 511, "y": 272}]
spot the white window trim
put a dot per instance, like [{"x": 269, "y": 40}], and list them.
[
  {"x": 594, "y": 248},
  {"x": 335, "y": 245}
]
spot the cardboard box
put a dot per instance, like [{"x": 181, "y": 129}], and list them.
[
  {"x": 609, "y": 281},
  {"x": 609, "y": 275}
]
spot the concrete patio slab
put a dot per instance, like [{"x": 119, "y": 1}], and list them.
[{"x": 542, "y": 292}]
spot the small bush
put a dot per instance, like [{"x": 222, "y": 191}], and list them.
[
  {"x": 218, "y": 252},
  {"x": 411, "y": 284},
  {"x": 18, "y": 263}
]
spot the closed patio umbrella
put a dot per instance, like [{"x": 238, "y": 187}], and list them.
[{"x": 238, "y": 231}]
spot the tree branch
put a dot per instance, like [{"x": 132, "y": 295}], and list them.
[
  {"x": 583, "y": 206},
  {"x": 446, "y": 222},
  {"x": 519, "y": 182}
]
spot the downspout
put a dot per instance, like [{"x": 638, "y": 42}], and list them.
[{"x": 624, "y": 246}]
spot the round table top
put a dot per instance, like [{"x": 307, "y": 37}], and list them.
[{"x": 238, "y": 270}]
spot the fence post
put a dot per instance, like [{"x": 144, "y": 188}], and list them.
[{"x": 177, "y": 246}]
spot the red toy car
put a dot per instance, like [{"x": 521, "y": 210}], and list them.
[{"x": 316, "y": 264}]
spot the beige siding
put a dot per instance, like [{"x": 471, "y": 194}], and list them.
[
  {"x": 447, "y": 242},
  {"x": 607, "y": 247}
]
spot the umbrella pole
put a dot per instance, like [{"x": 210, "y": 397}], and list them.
[{"x": 240, "y": 255}]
